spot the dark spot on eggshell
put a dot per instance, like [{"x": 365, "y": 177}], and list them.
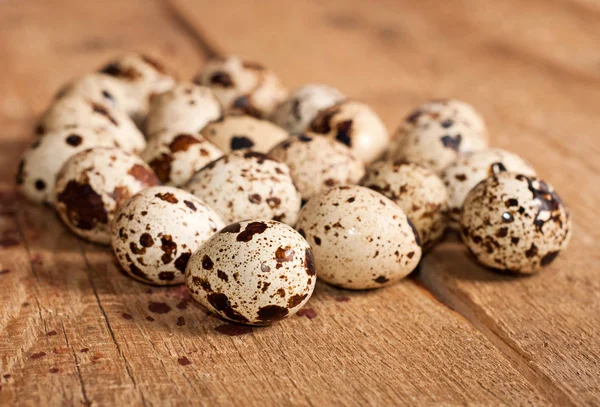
[
  {"x": 120, "y": 193},
  {"x": 255, "y": 199},
  {"x": 511, "y": 202},
  {"x": 182, "y": 142},
  {"x": 460, "y": 177},
  {"x": 344, "y": 130},
  {"x": 84, "y": 207},
  {"x": 502, "y": 232},
  {"x": 264, "y": 267},
  {"x": 40, "y": 185},
  {"x": 98, "y": 108},
  {"x": 159, "y": 307},
  {"x": 182, "y": 261},
  {"x": 532, "y": 251},
  {"x": 146, "y": 240},
  {"x": 271, "y": 313},
  {"x": 241, "y": 142},
  {"x": 74, "y": 140},
  {"x": 260, "y": 157},
  {"x": 515, "y": 240},
  {"x": 190, "y": 205},
  {"x": 169, "y": 247},
  {"x": 161, "y": 166},
  {"x": 284, "y": 254},
  {"x": 252, "y": 228},
  {"x": 167, "y": 197},
  {"x": 222, "y": 275},
  {"x": 302, "y": 233},
  {"x": 166, "y": 275},
  {"x": 143, "y": 175},
  {"x": 136, "y": 271},
  {"x": 222, "y": 79},
  {"x": 497, "y": 168},
  {"x": 317, "y": 240},
  {"x": 135, "y": 249},
  {"x": 296, "y": 300},
  {"x": 273, "y": 202},
  {"x": 549, "y": 258},
  {"x": 234, "y": 329},
  {"x": 233, "y": 228},
  {"x": 452, "y": 142},
  {"x": 382, "y": 280},
  {"x": 309, "y": 262},
  {"x": 221, "y": 303},
  {"x": 322, "y": 123},
  {"x": 447, "y": 123},
  {"x": 507, "y": 217},
  {"x": 127, "y": 73}
]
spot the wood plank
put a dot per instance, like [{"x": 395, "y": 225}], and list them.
[{"x": 540, "y": 102}]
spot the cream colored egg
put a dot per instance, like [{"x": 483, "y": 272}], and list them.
[
  {"x": 186, "y": 108},
  {"x": 418, "y": 191},
  {"x": 175, "y": 156},
  {"x": 302, "y": 105},
  {"x": 317, "y": 163},
  {"x": 247, "y": 185},
  {"x": 356, "y": 125},
  {"x": 360, "y": 238},
  {"x": 93, "y": 183},
  {"x": 156, "y": 231},
  {"x": 515, "y": 223},
  {"x": 253, "y": 272},
  {"x": 77, "y": 111},
  {"x": 99, "y": 88},
  {"x": 243, "y": 132},
  {"x": 242, "y": 86},
  {"x": 44, "y": 158}
]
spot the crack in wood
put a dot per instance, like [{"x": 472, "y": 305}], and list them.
[{"x": 86, "y": 400}]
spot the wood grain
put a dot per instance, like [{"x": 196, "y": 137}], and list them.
[{"x": 75, "y": 330}]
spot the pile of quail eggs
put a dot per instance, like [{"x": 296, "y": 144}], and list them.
[{"x": 247, "y": 193}]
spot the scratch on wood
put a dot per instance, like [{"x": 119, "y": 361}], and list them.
[{"x": 86, "y": 400}]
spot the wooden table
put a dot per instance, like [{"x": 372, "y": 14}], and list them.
[{"x": 74, "y": 330}]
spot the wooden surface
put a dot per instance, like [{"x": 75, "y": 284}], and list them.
[{"x": 74, "y": 330}]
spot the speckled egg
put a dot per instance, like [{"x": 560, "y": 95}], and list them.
[
  {"x": 93, "y": 183},
  {"x": 143, "y": 77},
  {"x": 77, "y": 111},
  {"x": 243, "y": 132},
  {"x": 175, "y": 157},
  {"x": 186, "y": 107},
  {"x": 243, "y": 86},
  {"x": 356, "y": 125},
  {"x": 301, "y": 107},
  {"x": 156, "y": 231},
  {"x": 43, "y": 159},
  {"x": 466, "y": 172},
  {"x": 435, "y": 134},
  {"x": 99, "y": 88},
  {"x": 253, "y": 272},
  {"x": 514, "y": 223},
  {"x": 418, "y": 191},
  {"x": 360, "y": 238},
  {"x": 247, "y": 185},
  {"x": 317, "y": 163}
]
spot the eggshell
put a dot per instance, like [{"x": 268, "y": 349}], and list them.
[
  {"x": 247, "y": 185},
  {"x": 356, "y": 125},
  {"x": 242, "y": 85},
  {"x": 418, "y": 191},
  {"x": 99, "y": 88},
  {"x": 302, "y": 105},
  {"x": 466, "y": 172},
  {"x": 43, "y": 159},
  {"x": 93, "y": 183},
  {"x": 155, "y": 232},
  {"x": 243, "y": 132},
  {"x": 360, "y": 238},
  {"x": 317, "y": 163},
  {"x": 175, "y": 156},
  {"x": 253, "y": 272},
  {"x": 77, "y": 111},
  {"x": 515, "y": 223},
  {"x": 186, "y": 108}
]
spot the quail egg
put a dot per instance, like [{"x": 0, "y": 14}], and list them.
[
  {"x": 418, "y": 191},
  {"x": 155, "y": 232},
  {"x": 317, "y": 162},
  {"x": 100, "y": 88},
  {"x": 466, "y": 172},
  {"x": 93, "y": 183},
  {"x": 186, "y": 108},
  {"x": 243, "y": 86},
  {"x": 298, "y": 110},
  {"x": 44, "y": 158},
  {"x": 435, "y": 134},
  {"x": 77, "y": 111},
  {"x": 514, "y": 223},
  {"x": 253, "y": 272},
  {"x": 242, "y": 132},
  {"x": 175, "y": 156},
  {"x": 360, "y": 238},
  {"x": 247, "y": 185},
  {"x": 356, "y": 125}
]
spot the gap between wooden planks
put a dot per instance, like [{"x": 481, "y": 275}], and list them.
[{"x": 356, "y": 352}]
